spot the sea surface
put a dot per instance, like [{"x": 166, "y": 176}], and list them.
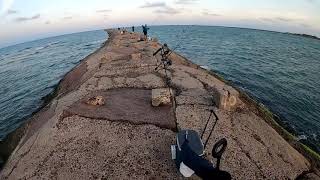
[
  {"x": 282, "y": 71},
  {"x": 31, "y": 70}
]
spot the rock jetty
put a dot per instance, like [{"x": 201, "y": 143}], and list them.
[{"x": 102, "y": 124}]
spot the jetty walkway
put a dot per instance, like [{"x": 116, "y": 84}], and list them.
[{"x": 102, "y": 125}]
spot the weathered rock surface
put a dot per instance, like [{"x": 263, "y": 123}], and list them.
[
  {"x": 127, "y": 138},
  {"x": 161, "y": 96},
  {"x": 96, "y": 101}
]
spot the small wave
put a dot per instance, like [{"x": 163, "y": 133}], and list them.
[
  {"x": 96, "y": 42},
  {"x": 27, "y": 48},
  {"x": 36, "y": 52},
  {"x": 24, "y": 49},
  {"x": 315, "y": 136},
  {"x": 39, "y": 48},
  {"x": 86, "y": 48},
  {"x": 88, "y": 45},
  {"x": 9, "y": 62},
  {"x": 50, "y": 88},
  {"x": 302, "y": 137},
  {"x": 205, "y": 67},
  {"x": 54, "y": 43},
  {"x": 52, "y": 65}
]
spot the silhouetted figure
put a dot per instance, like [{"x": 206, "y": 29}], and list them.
[
  {"x": 118, "y": 29},
  {"x": 145, "y": 31},
  {"x": 123, "y": 31},
  {"x": 132, "y": 28}
]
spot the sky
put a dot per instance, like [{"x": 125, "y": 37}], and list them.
[{"x": 26, "y": 20}]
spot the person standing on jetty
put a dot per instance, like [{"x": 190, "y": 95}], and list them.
[
  {"x": 145, "y": 31},
  {"x": 132, "y": 28}
]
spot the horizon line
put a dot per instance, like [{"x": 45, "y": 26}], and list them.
[{"x": 238, "y": 27}]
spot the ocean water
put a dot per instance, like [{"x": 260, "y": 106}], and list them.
[
  {"x": 31, "y": 70},
  {"x": 282, "y": 71}
]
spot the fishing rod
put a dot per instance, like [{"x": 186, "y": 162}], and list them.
[
  {"x": 176, "y": 46},
  {"x": 166, "y": 52},
  {"x": 155, "y": 19},
  {"x": 179, "y": 42}
]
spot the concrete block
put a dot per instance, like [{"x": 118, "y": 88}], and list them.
[
  {"x": 225, "y": 99},
  {"x": 161, "y": 96}
]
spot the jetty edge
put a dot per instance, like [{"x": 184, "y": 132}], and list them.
[
  {"x": 70, "y": 139},
  {"x": 11, "y": 141}
]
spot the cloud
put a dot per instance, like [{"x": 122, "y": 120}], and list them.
[
  {"x": 305, "y": 25},
  {"x": 67, "y": 17},
  {"x": 206, "y": 12},
  {"x": 278, "y": 19},
  {"x": 167, "y": 10},
  {"x": 284, "y": 19},
  {"x": 186, "y": 1},
  {"x": 5, "y": 6},
  {"x": 22, "y": 19},
  {"x": 311, "y": 1},
  {"x": 154, "y": 5},
  {"x": 210, "y": 14},
  {"x": 267, "y": 19},
  {"x": 10, "y": 11},
  {"x": 161, "y": 8},
  {"x": 104, "y": 11}
]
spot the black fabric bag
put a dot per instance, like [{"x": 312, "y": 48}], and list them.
[{"x": 202, "y": 167}]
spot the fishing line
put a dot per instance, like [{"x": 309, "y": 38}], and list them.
[
  {"x": 179, "y": 43},
  {"x": 155, "y": 19},
  {"x": 176, "y": 46}
]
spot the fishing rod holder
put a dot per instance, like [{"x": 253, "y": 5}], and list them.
[
  {"x": 164, "y": 53},
  {"x": 165, "y": 62}
]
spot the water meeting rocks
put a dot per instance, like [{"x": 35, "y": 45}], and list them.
[{"x": 125, "y": 137}]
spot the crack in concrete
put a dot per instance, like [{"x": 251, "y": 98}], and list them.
[
  {"x": 247, "y": 154},
  {"x": 193, "y": 104},
  {"x": 258, "y": 139},
  {"x": 58, "y": 148}
]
